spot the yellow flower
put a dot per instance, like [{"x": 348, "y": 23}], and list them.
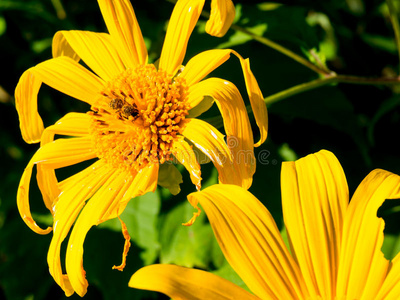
[
  {"x": 335, "y": 246},
  {"x": 141, "y": 115}
]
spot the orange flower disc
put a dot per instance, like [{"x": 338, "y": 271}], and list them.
[{"x": 137, "y": 117}]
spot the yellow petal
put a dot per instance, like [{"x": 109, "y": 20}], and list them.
[
  {"x": 202, "y": 64},
  {"x": 61, "y": 47},
  {"x": 30, "y": 122},
  {"x": 314, "y": 200},
  {"x": 363, "y": 268},
  {"x": 60, "y": 153},
  {"x": 256, "y": 100},
  {"x": 183, "y": 283},
  {"x": 221, "y": 17},
  {"x": 62, "y": 74},
  {"x": 390, "y": 289},
  {"x": 124, "y": 29},
  {"x": 251, "y": 241},
  {"x": 236, "y": 124},
  {"x": 108, "y": 202},
  {"x": 211, "y": 142},
  {"x": 72, "y": 124},
  {"x": 186, "y": 156},
  {"x": 181, "y": 24},
  {"x": 66, "y": 209},
  {"x": 96, "y": 50}
]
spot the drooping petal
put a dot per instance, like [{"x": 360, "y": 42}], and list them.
[
  {"x": 181, "y": 24},
  {"x": 205, "y": 62},
  {"x": 186, "y": 156},
  {"x": 96, "y": 50},
  {"x": 58, "y": 154},
  {"x": 211, "y": 142},
  {"x": 314, "y": 200},
  {"x": 184, "y": 283},
  {"x": 63, "y": 74},
  {"x": 30, "y": 122},
  {"x": 251, "y": 242},
  {"x": 72, "y": 124},
  {"x": 124, "y": 29},
  {"x": 221, "y": 17},
  {"x": 108, "y": 202},
  {"x": 256, "y": 100},
  {"x": 67, "y": 207},
  {"x": 236, "y": 123},
  {"x": 363, "y": 268}
]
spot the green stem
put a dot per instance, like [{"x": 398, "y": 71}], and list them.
[
  {"x": 395, "y": 23},
  {"x": 61, "y": 14},
  {"x": 283, "y": 50}
]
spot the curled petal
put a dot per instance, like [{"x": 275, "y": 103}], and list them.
[
  {"x": 125, "y": 32},
  {"x": 211, "y": 142},
  {"x": 363, "y": 268},
  {"x": 54, "y": 155},
  {"x": 221, "y": 17},
  {"x": 108, "y": 202},
  {"x": 62, "y": 74},
  {"x": 65, "y": 210},
  {"x": 72, "y": 124},
  {"x": 204, "y": 63},
  {"x": 96, "y": 50},
  {"x": 186, "y": 156},
  {"x": 314, "y": 201},
  {"x": 181, "y": 24},
  {"x": 184, "y": 283},
  {"x": 251, "y": 242},
  {"x": 236, "y": 123}
]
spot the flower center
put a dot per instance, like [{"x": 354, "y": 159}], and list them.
[{"x": 138, "y": 116}]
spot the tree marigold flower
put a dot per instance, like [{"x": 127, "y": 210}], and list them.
[
  {"x": 141, "y": 115},
  {"x": 335, "y": 246}
]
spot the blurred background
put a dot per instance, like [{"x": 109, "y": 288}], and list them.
[{"x": 360, "y": 123}]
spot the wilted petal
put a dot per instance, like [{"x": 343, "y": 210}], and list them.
[{"x": 221, "y": 17}]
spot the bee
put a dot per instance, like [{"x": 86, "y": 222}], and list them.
[
  {"x": 129, "y": 110},
  {"x": 116, "y": 104}
]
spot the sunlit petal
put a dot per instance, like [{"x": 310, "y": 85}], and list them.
[
  {"x": 203, "y": 64},
  {"x": 314, "y": 200},
  {"x": 26, "y": 92},
  {"x": 57, "y": 154},
  {"x": 72, "y": 124},
  {"x": 181, "y": 24},
  {"x": 186, "y": 156},
  {"x": 124, "y": 29},
  {"x": 211, "y": 142},
  {"x": 63, "y": 74},
  {"x": 256, "y": 100},
  {"x": 96, "y": 50},
  {"x": 61, "y": 47},
  {"x": 236, "y": 124},
  {"x": 251, "y": 242},
  {"x": 108, "y": 202},
  {"x": 363, "y": 268},
  {"x": 221, "y": 17},
  {"x": 66, "y": 209},
  {"x": 184, "y": 283}
]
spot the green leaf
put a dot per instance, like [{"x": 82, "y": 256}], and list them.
[
  {"x": 3, "y": 25},
  {"x": 141, "y": 217},
  {"x": 170, "y": 178},
  {"x": 187, "y": 246}
]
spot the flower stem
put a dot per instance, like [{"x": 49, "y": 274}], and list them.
[{"x": 283, "y": 50}]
